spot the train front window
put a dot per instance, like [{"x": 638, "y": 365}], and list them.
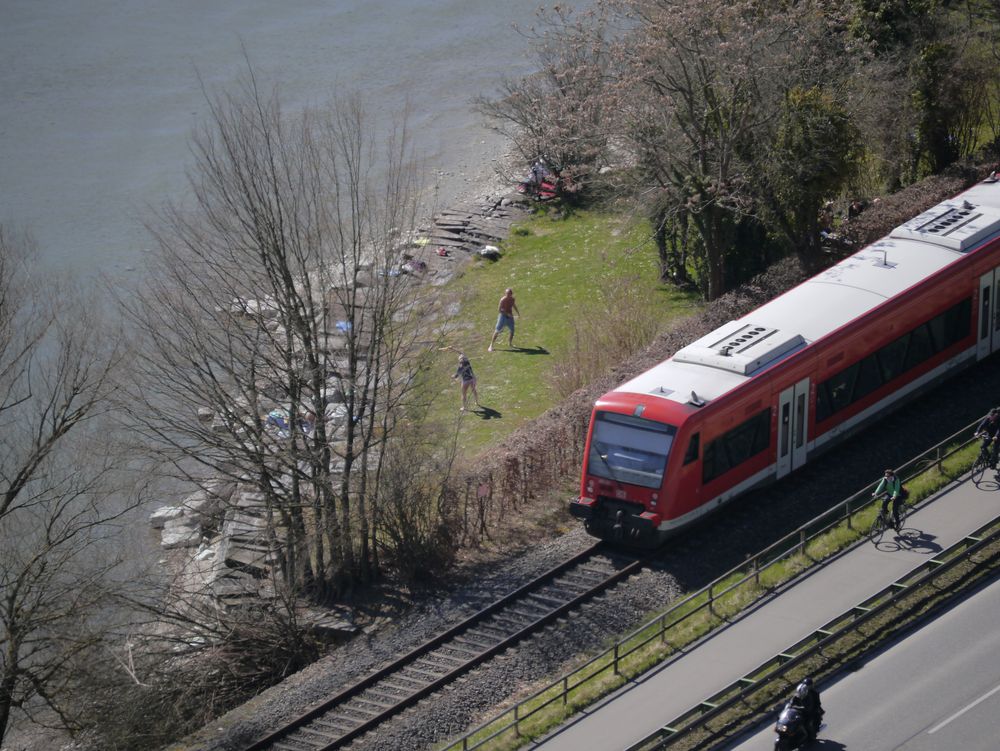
[{"x": 630, "y": 449}]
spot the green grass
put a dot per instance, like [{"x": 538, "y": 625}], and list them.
[{"x": 557, "y": 268}]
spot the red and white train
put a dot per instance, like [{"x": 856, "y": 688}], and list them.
[{"x": 760, "y": 396}]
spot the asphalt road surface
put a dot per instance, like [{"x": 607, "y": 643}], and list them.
[
  {"x": 938, "y": 689},
  {"x": 660, "y": 696}
]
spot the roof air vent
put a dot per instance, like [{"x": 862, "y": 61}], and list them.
[
  {"x": 740, "y": 348},
  {"x": 952, "y": 225}
]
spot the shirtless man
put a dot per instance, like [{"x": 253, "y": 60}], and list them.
[{"x": 505, "y": 320}]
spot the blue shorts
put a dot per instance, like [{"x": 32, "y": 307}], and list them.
[{"x": 505, "y": 321}]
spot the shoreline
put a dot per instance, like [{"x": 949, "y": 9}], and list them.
[{"x": 211, "y": 538}]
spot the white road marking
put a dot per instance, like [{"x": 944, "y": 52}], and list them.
[{"x": 962, "y": 711}]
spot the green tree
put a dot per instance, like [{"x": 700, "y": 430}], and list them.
[
  {"x": 697, "y": 86},
  {"x": 812, "y": 155}
]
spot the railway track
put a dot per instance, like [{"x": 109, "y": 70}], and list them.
[{"x": 364, "y": 706}]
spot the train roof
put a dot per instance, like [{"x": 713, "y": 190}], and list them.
[{"x": 736, "y": 351}]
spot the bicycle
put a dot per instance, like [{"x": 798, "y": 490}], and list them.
[
  {"x": 883, "y": 520},
  {"x": 986, "y": 458}
]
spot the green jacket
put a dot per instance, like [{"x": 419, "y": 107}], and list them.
[{"x": 892, "y": 487}]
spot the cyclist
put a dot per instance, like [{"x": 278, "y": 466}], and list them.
[
  {"x": 892, "y": 489},
  {"x": 988, "y": 430}
]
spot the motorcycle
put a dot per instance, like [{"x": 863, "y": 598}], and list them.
[{"x": 792, "y": 728}]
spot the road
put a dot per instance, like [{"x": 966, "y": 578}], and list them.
[
  {"x": 641, "y": 707},
  {"x": 937, "y": 689}
]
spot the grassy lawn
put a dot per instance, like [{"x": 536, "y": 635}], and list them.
[{"x": 557, "y": 268}]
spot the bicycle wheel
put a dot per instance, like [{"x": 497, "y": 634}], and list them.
[
  {"x": 904, "y": 511},
  {"x": 878, "y": 529},
  {"x": 979, "y": 467}
]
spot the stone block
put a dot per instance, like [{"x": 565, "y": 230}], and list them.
[
  {"x": 179, "y": 536},
  {"x": 162, "y": 515}
]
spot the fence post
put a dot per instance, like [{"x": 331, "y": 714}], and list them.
[
  {"x": 616, "y": 658},
  {"x": 517, "y": 720},
  {"x": 711, "y": 600},
  {"x": 802, "y": 541},
  {"x": 565, "y": 682}
]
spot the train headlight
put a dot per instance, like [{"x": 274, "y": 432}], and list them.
[
  {"x": 590, "y": 487},
  {"x": 653, "y": 499}
]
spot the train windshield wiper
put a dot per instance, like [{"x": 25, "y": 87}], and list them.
[{"x": 602, "y": 452}]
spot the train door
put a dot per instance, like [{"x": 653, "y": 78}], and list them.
[
  {"x": 989, "y": 321},
  {"x": 793, "y": 425}
]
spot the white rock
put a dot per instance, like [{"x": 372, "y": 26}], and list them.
[
  {"x": 180, "y": 537},
  {"x": 164, "y": 514}
]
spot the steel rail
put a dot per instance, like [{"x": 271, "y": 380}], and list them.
[{"x": 331, "y": 704}]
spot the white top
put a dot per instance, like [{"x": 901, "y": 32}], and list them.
[{"x": 734, "y": 352}]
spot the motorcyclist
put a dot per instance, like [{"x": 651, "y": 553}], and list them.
[
  {"x": 806, "y": 697},
  {"x": 891, "y": 488},
  {"x": 988, "y": 431}
]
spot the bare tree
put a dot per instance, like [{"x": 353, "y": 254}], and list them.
[
  {"x": 60, "y": 491},
  {"x": 559, "y": 111},
  {"x": 278, "y": 307}
]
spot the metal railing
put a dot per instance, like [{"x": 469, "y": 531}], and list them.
[
  {"x": 711, "y": 599},
  {"x": 762, "y": 678}
]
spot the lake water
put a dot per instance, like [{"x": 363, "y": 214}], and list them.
[{"x": 98, "y": 98}]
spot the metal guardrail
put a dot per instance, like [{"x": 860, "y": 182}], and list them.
[
  {"x": 707, "y": 598},
  {"x": 764, "y": 676}
]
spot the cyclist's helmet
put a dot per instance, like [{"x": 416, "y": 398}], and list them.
[{"x": 802, "y": 690}]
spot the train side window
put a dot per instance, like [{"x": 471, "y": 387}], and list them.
[
  {"x": 939, "y": 332},
  {"x": 959, "y": 318},
  {"x": 891, "y": 361},
  {"x": 736, "y": 446},
  {"x": 692, "y": 449},
  {"x": 891, "y": 358},
  {"x": 838, "y": 388},
  {"x": 869, "y": 378},
  {"x": 716, "y": 462},
  {"x": 800, "y": 420},
  {"x": 920, "y": 348}
]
